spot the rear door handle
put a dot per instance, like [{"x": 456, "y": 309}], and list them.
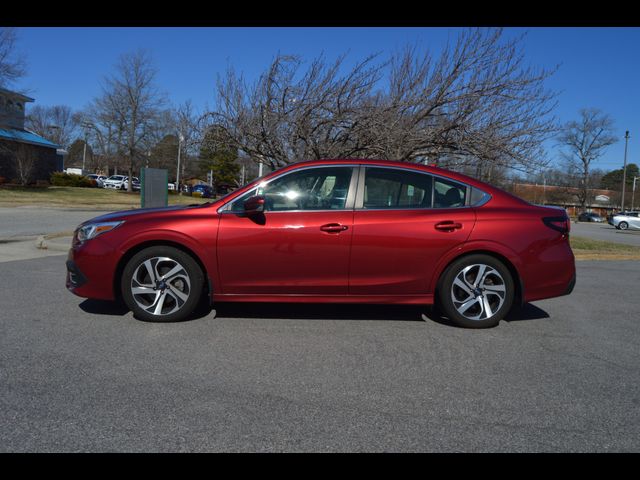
[
  {"x": 333, "y": 228},
  {"x": 448, "y": 226}
]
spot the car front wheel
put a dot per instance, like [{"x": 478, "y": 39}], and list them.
[
  {"x": 162, "y": 284},
  {"x": 623, "y": 225},
  {"x": 476, "y": 291}
]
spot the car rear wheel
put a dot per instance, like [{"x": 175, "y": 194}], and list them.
[
  {"x": 162, "y": 284},
  {"x": 476, "y": 291},
  {"x": 623, "y": 225}
]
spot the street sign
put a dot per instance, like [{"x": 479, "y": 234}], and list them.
[{"x": 154, "y": 189}]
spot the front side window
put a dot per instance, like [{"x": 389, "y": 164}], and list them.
[
  {"x": 392, "y": 188},
  {"x": 322, "y": 188}
]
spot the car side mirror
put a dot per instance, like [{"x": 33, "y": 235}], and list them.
[{"x": 254, "y": 204}]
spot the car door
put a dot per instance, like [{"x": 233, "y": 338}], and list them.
[
  {"x": 299, "y": 245},
  {"x": 404, "y": 221}
]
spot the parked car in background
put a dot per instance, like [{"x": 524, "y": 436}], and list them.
[
  {"x": 115, "y": 181},
  {"x": 627, "y": 220},
  {"x": 121, "y": 182},
  {"x": 332, "y": 231},
  {"x": 99, "y": 179},
  {"x": 590, "y": 217},
  {"x": 136, "y": 184},
  {"x": 204, "y": 191}
]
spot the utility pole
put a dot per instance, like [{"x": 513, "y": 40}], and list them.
[
  {"x": 84, "y": 153},
  {"x": 624, "y": 169},
  {"x": 180, "y": 140}
]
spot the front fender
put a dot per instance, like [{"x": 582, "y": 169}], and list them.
[{"x": 202, "y": 248}]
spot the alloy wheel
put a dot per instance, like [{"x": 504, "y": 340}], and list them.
[
  {"x": 160, "y": 286},
  {"x": 478, "y": 291}
]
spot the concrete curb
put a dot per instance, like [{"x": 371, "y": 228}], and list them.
[{"x": 60, "y": 242}]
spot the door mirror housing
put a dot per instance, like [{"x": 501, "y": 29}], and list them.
[{"x": 255, "y": 204}]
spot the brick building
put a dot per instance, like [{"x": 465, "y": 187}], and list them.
[{"x": 604, "y": 201}]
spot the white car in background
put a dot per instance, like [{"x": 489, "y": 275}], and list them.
[
  {"x": 121, "y": 182},
  {"x": 98, "y": 178},
  {"x": 627, "y": 221}
]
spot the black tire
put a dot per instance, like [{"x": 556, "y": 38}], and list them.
[
  {"x": 623, "y": 225},
  {"x": 494, "y": 292},
  {"x": 169, "y": 299}
]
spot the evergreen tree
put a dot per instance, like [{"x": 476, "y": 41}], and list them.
[
  {"x": 218, "y": 156},
  {"x": 613, "y": 179}
]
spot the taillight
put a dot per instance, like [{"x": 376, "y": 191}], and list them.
[{"x": 559, "y": 224}]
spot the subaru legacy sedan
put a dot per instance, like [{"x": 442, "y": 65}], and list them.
[{"x": 337, "y": 231}]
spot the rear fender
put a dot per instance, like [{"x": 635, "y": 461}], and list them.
[{"x": 480, "y": 247}]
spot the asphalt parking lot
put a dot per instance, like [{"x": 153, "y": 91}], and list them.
[
  {"x": 605, "y": 232},
  {"x": 30, "y": 220},
  {"x": 80, "y": 375}
]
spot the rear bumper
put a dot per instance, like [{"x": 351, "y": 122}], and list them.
[
  {"x": 571, "y": 285},
  {"x": 551, "y": 274}
]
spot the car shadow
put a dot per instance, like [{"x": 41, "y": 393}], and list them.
[
  {"x": 103, "y": 307},
  {"x": 320, "y": 311},
  {"x": 526, "y": 312},
  {"x": 517, "y": 314},
  {"x": 117, "y": 308},
  {"x": 409, "y": 313}
]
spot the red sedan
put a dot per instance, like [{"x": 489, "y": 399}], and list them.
[{"x": 342, "y": 231}]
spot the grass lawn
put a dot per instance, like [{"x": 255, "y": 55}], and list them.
[
  {"x": 106, "y": 199},
  {"x": 587, "y": 249},
  {"x": 74, "y": 197}
]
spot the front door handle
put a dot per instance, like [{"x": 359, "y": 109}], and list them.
[
  {"x": 448, "y": 226},
  {"x": 333, "y": 228}
]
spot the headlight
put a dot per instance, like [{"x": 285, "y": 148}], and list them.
[{"x": 92, "y": 230}]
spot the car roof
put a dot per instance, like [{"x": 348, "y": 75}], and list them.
[
  {"x": 389, "y": 163},
  {"x": 497, "y": 193}
]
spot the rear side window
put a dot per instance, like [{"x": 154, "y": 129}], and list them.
[
  {"x": 390, "y": 188},
  {"x": 477, "y": 197},
  {"x": 448, "y": 194}
]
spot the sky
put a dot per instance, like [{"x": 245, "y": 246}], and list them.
[{"x": 597, "y": 67}]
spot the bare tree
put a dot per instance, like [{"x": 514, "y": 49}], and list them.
[
  {"x": 12, "y": 64},
  {"x": 102, "y": 128},
  {"x": 475, "y": 106},
  {"x": 57, "y": 123},
  {"x": 130, "y": 108},
  {"x": 187, "y": 123},
  {"x": 25, "y": 162},
  {"x": 586, "y": 140},
  {"x": 286, "y": 116}
]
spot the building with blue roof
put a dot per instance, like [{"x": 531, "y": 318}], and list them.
[{"x": 25, "y": 157}]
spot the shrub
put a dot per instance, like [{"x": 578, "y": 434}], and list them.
[{"x": 61, "y": 179}]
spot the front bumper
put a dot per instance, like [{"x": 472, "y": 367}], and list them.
[
  {"x": 91, "y": 268},
  {"x": 75, "y": 278}
]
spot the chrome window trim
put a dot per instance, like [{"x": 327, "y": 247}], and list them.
[
  {"x": 349, "y": 202},
  {"x": 355, "y": 196},
  {"x": 359, "y": 206}
]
